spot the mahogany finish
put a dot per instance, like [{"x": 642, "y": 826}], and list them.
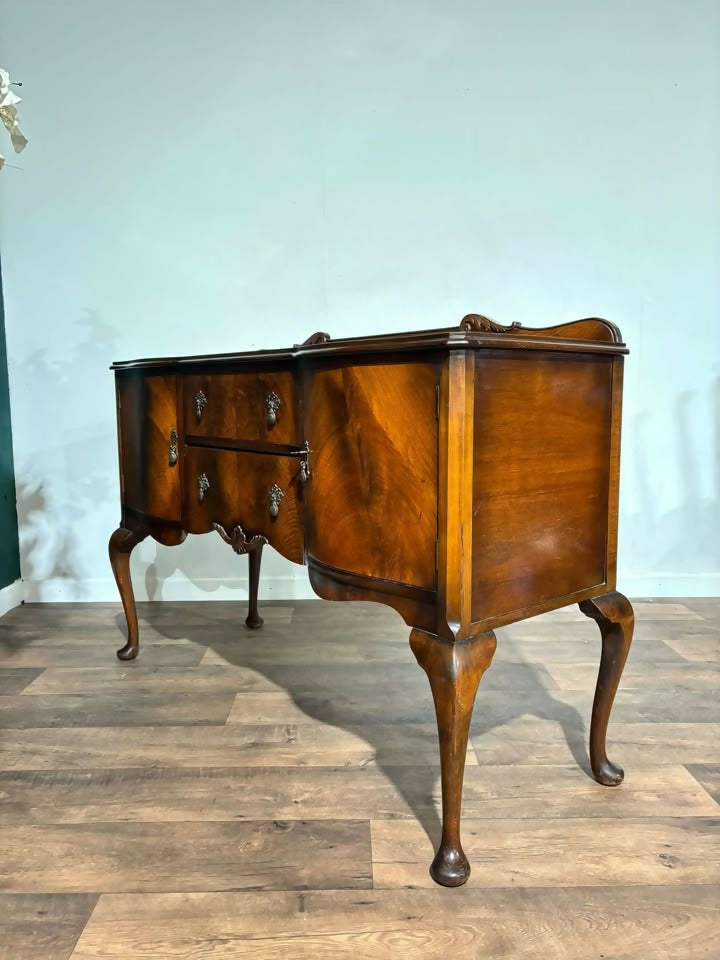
[{"x": 466, "y": 477}]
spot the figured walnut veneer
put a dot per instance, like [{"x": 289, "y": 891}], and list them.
[{"x": 467, "y": 477}]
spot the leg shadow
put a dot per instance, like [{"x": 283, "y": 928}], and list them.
[{"x": 350, "y": 666}]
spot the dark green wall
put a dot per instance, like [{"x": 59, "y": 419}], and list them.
[{"x": 9, "y": 551}]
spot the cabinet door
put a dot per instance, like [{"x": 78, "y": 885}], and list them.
[
  {"x": 372, "y": 493},
  {"x": 149, "y": 468}
]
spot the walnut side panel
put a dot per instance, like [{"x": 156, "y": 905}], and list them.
[
  {"x": 147, "y": 415},
  {"x": 372, "y": 494},
  {"x": 541, "y": 479}
]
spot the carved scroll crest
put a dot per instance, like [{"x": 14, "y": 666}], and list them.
[
  {"x": 318, "y": 337},
  {"x": 238, "y": 540},
  {"x": 477, "y": 323}
]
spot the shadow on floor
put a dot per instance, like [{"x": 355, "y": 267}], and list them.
[{"x": 364, "y": 679}]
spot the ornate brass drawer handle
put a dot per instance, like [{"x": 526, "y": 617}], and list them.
[
  {"x": 305, "y": 464},
  {"x": 275, "y": 495},
  {"x": 272, "y": 405},
  {"x": 200, "y": 403},
  {"x": 173, "y": 452},
  {"x": 203, "y": 486}
]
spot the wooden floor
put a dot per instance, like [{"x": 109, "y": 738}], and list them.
[{"x": 274, "y": 794}]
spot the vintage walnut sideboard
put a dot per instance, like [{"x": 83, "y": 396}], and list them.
[{"x": 467, "y": 477}]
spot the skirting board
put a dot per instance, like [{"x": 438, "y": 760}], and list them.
[
  {"x": 59, "y": 590},
  {"x": 11, "y": 596}
]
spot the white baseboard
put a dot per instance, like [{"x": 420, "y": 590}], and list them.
[
  {"x": 59, "y": 590},
  {"x": 11, "y": 596}
]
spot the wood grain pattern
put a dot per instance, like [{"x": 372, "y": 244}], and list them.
[
  {"x": 127, "y": 857},
  {"x": 572, "y": 924},
  {"x": 551, "y": 852},
  {"x": 238, "y": 493},
  {"x": 42, "y": 926},
  {"x": 125, "y": 777},
  {"x": 147, "y": 413},
  {"x": 372, "y": 501},
  {"x": 708, "y": 775},
  {"x": 236, "y": 406},
  {"x": 541, "y": 480}
]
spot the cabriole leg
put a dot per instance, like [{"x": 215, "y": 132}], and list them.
[
  {"x": 454, "y": 670},
  {"x": 121, "y": 545},
  {"x": 614, "y": 615},
  {"x": 254, "y": 620}
]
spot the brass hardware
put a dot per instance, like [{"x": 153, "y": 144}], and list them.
[
  {"x": 200, "y": 403},
  {"x": 238, "y": 539},
  {"x": 305, "y": 464},
  {"x": 272, "y": 405},
  {"x": 173, "y": 453},
  {"x": 276, "y": 495},
  {"x": 203, "y": 486}
]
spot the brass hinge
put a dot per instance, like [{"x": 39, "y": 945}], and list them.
[
  {"x": 437, "y": 556},
  {"x": 437, "y": 401}
]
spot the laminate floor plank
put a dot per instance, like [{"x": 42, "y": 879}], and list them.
[
  {"x": 80, "y": 653},
  {"x": 237, "y": 793},
  {"x": 527, "y": 739},
  {"x": 122, "y": 709},
  {"x": 234, "y": 745},
  {"x": 16, "y": 679},
  {"x": 708, "y": 775},
  {"x": 42, "y": 926},
  {"x": 132, "y": 857},
  {"x": 583, "y": 923},
  {"x": 702, "y": 678},
  {"x": 252, "y": 793},
  {"x": 558, "y": 853}
]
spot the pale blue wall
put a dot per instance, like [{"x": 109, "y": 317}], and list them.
[{"x": 240, "y": 174}]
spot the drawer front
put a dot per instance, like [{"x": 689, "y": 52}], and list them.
[
  {"x": 242, "y": 406},
  {"x": 260, "y": 492}
]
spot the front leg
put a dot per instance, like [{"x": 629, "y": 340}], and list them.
[
  {"x": 121, "y": 545},
  {"x": 254, "y": 621},
  {"x": 614, "y": 615},
  {"x": 454, "y": 669}
]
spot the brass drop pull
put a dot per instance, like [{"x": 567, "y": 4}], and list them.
[
  {"x": 173, "y": 451},
  {"x": 275, "y": 495},
  {"x": 203, "y": 486},
  {"x": 305, "y": 464},
  {"x": 200, "y": 403},
  {"x": 272, "y": 405}
]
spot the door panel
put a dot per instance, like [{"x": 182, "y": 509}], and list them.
[
  {"x": 372, "y": 494},
  {"x": 147, "y": 415}
]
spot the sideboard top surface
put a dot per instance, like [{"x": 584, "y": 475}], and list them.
[{"x": 475, "y": 332}]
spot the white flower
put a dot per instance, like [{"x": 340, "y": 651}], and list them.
[{"x": 8, "y": 115}]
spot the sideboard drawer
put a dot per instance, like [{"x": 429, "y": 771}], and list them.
[
  {"x": 242, "y": 406},
  {"x": 260, "y": 492}
]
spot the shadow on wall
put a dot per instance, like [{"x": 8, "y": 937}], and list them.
[
  {"x": 686, "y": 538},
  {"x": 64, "y": 474},
  {"x": 67, "y": 487}
]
